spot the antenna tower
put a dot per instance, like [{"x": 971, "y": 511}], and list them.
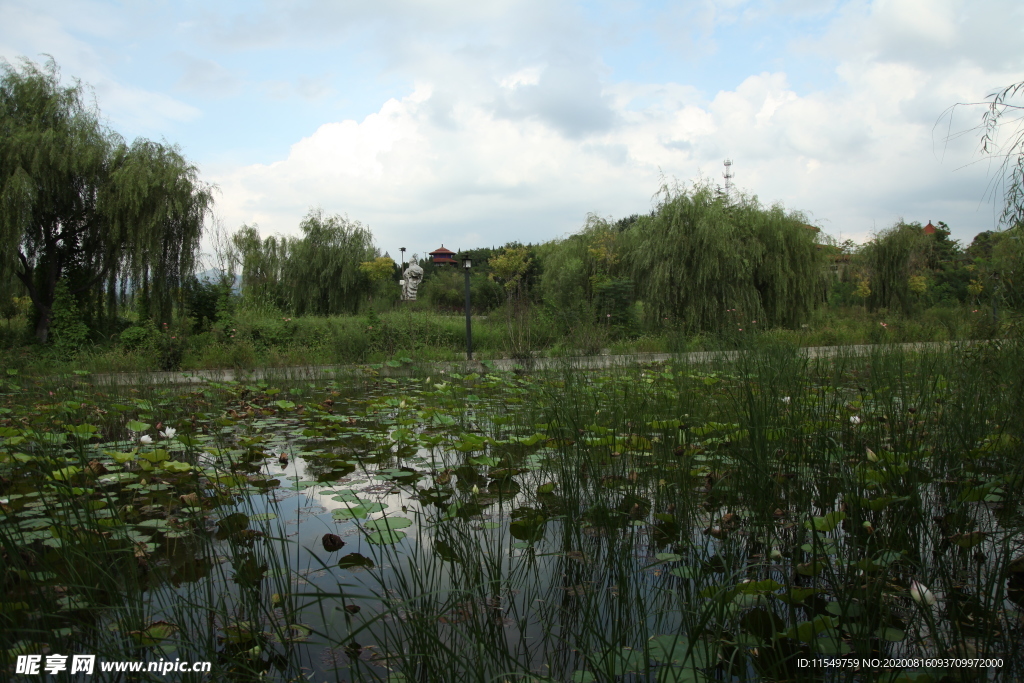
[{"x": 728, "y": 177}]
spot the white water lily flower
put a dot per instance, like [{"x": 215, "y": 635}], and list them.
[
  {"x": 476, "y": 489},
  {"x": 854, "y": 420},
  {"x": 785, "y": 399},
  {"x": 169, "y": 433},
  {"x": 921, "y": 595},
  {"x": 146, "y": 438}
]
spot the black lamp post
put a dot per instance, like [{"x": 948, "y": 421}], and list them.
[
  {"x": 467, "y": 263},
  {"x": 401, "y": 273}
]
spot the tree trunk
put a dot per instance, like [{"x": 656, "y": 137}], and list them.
[
  {"x": 42, "y": 300},
  {"x": 43, "y": 325},
  {"x": 111, "y": 301}
]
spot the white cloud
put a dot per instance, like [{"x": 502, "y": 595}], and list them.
[
  {"x": 527, "y": 76},
  {"x": 33, "y": 30},
  {"x": 146, "y": 112},
  {"x": 514, "y": 128},
  {"x": 856, "y": 157},
  {"x": 205, "y": 77}
]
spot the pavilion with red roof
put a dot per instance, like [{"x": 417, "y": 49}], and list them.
[{"x": 442, "y": 256}]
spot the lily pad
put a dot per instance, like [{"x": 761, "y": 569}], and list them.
[
  {"x": 388, "y": 523},
  {"x": 385, "y": 537},
  {"x": 157, "y": 631},
  {"x": 354, "y": 512},
  {"x": 354, "y": 561},
  {"x": 686, "y": 572}
]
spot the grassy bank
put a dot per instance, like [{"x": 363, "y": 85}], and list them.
[{"x": 248, "y": 340}]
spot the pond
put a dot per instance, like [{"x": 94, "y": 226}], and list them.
[{"x": 741, "y": 520}]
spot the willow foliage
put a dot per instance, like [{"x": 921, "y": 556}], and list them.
[
  {"x": 891, "y": 259},
  {"x": 576, "y": 266},
  {"x": 264, "y": 264},
  {"x": 1008, "y": 263},
  {"x": 157, "y": 206},
  {"x": 698, "y": 258},
  {"x": 77, "y": 202},
  {"x": 322, "y": 271},
  {"x": 1011, "y": 151}
]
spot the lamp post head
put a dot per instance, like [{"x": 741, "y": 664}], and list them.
[{"x": 467, "y": 262}]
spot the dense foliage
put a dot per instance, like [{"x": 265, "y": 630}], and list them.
[
  {"x": 700, "y": 256},
  {"x": 77, "y": 202}
]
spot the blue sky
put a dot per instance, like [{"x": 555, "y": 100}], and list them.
[{"x": 474, "y": 124}]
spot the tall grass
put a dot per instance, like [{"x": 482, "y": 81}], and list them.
[
  {"x": 660, "y": 523},
  {"x": 250, "y": 340},
  {"x": 739, "y": 518}
]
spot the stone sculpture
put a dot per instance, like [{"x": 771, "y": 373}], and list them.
[{"x": 413, "y": 277}]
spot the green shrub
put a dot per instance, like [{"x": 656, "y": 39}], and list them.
[
  {"x": 445, "y": 290},
  {"x": 137, "y": 337},
  {"x": 68, "y": 331}
]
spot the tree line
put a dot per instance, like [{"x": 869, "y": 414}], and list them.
[
  {"x": 329, "y": 270},
  {"x": 698, "y": 261},
  {"x": 92, "y": 223}
]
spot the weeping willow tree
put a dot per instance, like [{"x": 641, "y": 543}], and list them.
[
  {"x": 322, "y": 271},
  {"x": 1002, "y": 112},
  {"x": 157, "y": 207},
  {"x": 1007, "y": 263},
  {"x": 264, "y": 264},
  {"x": 701, "y": 260},
  {"x": 891, "y": 260},
  {"x": 76, "y": 202},
  {"x": 574, "y": 265},
  {"x": 580, "y": 270}
]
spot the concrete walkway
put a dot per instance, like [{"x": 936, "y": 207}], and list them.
[{"x": 326, "y": 372}]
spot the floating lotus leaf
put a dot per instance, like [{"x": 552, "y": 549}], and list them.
[
  {"x": 263, "y": 517},
  {"x": 354, "y": 512},
  {"x": 385, "y": 523},
  {"x": 154, "y": 633},
  {"x": 825, "y": 523},
  {"x": 355, "y": 560},
  {"x": 686, "y": 572},
  {"x": 232, "y": 524},
  {"x": 385, "y": 537}
]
